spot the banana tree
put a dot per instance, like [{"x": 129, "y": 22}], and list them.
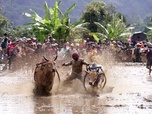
[
  {"x": 150, "y": 26},
  {"x": 114, "y": 30},
  {"x": 53, "y": 22},
  {"x": 68, "y": 29},
  {"x": 149, "y": 33},
  {"x": 63, "y": 31},
  {"x": 46, "y": 25}
]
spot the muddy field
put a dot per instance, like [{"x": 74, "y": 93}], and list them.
[{"x": 127, "y": 91}]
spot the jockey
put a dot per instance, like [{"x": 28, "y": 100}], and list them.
[
  {"x": 77, "y": 64},
  {"x": 94, "y": 66},
  {"x": 149, "y": 55}
]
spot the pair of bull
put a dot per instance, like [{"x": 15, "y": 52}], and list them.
[{"x": 45, "y": 73}]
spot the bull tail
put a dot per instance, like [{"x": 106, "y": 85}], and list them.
[
  {"x": 58, "y": 75},
  {"x": 84, "y": 81},
  {"x": 105, "y": 81},
  {"x": 35, "y": 74},
  {"x": 58, "y": 78}
]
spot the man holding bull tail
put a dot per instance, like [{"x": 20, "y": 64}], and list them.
[{"x": 77, "y": 67}]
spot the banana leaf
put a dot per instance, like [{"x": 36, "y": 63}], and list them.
[{"x": 95, "y": 37}]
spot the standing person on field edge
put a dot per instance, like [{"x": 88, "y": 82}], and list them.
[
  {"x": 4, "y": 45},
  {"x": 137, "y": 53},
  {"x": 149, "y": 55}
]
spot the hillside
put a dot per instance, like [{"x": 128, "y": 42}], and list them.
[{"x": 134, "y": 10}]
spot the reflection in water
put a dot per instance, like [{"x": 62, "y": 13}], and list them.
[
  {"x": 10, "y": 104},
  {"x": 76, "y": 104},
  {"x": 43, "y": 105},
  {"x": 94, "y": 106},
  {"x": 68, "y": 104}
]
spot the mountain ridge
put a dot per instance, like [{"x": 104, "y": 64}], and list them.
[{"x": 133, "y": 10}]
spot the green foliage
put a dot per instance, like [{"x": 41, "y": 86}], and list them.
[
  {"x": 10, "y": 29},
  {"x": 3, "y": 22},
  {"x": 116, "y": 29},
  {"x": 51, "y": 23},
  {"x": 149, "y": 29},
  {"x": 149, "y": 25},
  {"x": 96, "y": 11},
  {"x": 19, "y": 31},
  {"x": 105, "y": 22}
]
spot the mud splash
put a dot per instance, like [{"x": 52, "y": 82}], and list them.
[{"x": 127, "y": 86}]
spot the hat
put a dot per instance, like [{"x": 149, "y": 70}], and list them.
[
  {"x": 34, "y": 38},
  {"x": 138, "y": 44},
  {"x": 75, "y": 54},
  {"x": 48, "y": 42},
  {"x": 28, "y": 39},
  {"x": 77, "y": 44},
  {"x": 72, "y": 44},
  {"x": 39, "y": 44},
  {"x": 93, "y": 45},
  {"x": 67, "y": 43},
  {"x": 55, "y": 44},
  {"x": 114, "y": 42}
]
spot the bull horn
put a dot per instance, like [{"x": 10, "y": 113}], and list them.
[
  {"x": 45, "y": 58},
  {"x": 56, "y": 57},
  {"x": 58, "y": 78}
]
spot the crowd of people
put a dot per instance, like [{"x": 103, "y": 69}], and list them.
[{"x": 30, "y": 48}]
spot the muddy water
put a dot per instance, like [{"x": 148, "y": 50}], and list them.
[{"x": 124, "y": 93}]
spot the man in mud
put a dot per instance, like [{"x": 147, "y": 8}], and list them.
[{"x": 77, "y": 65}]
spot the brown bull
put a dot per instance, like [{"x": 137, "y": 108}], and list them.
[
  {"x": 96, "y": 77},
  {"x": 44, "y": 77}
]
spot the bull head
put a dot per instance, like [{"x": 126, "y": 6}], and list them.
[
  {"x": 92, "y": 77},
  {"x": 53, "y": 69}
]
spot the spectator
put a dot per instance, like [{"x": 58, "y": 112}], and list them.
[
  {"x": 4, "y": 45},
  {"x": 136, "y": 53}
]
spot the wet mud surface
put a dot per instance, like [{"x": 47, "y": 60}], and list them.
[{"x": 128, "y": 91}]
